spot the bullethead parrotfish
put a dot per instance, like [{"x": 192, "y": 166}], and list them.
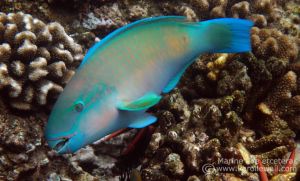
[{"x": 125, "y": 74}]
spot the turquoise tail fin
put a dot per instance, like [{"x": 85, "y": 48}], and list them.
[{"x": 227, "y": 35}]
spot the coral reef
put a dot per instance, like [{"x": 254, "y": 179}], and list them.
[
  {"x": 271, "y": 42},
  {"x": 37, "y": 60},
  {"x": 226, "y": 106},
  {"x": 220, "y": 126},
  {"x": 282, "y": 104},
  {"x": 74, "y": 4},
  {"x": 24, "y": 155}
]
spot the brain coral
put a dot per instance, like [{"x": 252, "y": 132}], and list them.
[{"x": 36, "y": 60}]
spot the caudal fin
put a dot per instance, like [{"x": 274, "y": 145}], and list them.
[{"x": 227, "y": 35}]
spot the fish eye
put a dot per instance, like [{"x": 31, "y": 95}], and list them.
[{"x": 79, "y": 106}]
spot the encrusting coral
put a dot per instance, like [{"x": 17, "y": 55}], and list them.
[{"x": 36, "y": 60}]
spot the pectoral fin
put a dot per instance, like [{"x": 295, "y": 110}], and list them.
[
  {"x": 142, "y": 120},
  {"x": 141, "y": 103}
]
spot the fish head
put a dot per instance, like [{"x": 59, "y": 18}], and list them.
[{"x": 81, "y": 118}]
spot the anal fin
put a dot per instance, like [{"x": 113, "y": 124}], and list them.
[
  {"x": 142, "y": 120},
  {"x": 174, "y": 81}
]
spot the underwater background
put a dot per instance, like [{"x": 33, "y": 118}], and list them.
[{"x": 228, "y": 111}]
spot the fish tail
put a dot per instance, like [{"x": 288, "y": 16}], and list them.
[{"x": 227, "y": 35}]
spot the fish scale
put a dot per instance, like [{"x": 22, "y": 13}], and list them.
[{"x": 124, "y": 74}]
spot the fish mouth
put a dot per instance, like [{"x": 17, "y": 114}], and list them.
[{"x": 61, "y": 144}]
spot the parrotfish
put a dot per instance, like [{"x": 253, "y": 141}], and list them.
[{"x": 126, "y": 73}]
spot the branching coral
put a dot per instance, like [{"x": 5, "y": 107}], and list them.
[
  {"x": 225, "y": 107},
  {"x": 22, "y": 150},
  {"x": 202, "y": 131},
  {"x": 261, "y": 12},
  {"x": 188, "y": 138},
  {"x": 241, "y": 9},
  {"x": 215, "y": 128},
  {"x": 290, "y": 19},
  {"x": 36, "y": 60},
  {"x": 282, "y": 104},
  {"x": 271, "y": 42},
  {"x": 183, "y": 10}
]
